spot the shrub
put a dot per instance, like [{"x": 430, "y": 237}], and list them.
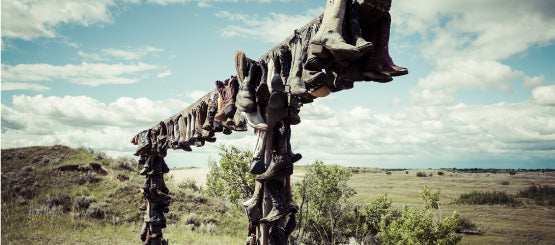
[
  {"x": 190, "y": 184},
  {"x": 486, "y": 197},
  {"x": 47, "y": 161},
  {"x": 96, "y": 210},
  {"x": 512, "y": 172},
  {"x": 505, "y": 182},
  {"x": 126, "y": 163},
  {"x": 83, "y": 202},
  {"x": 420, "y": 174},
  {"x": 388, "y": 173},
  {"x": 230, "y": 178},
  {"x": 99, "y": 155},
  {"x": 89, "y": 177},
  {"x": 543, "y": 195},
  {"x": 439, "y": 173}
]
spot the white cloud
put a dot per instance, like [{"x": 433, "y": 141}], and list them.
[
  {"x": 196, "y": 94},
  {"x": 23, "y": 86},
  {"x": 429, "y": 134},
  {"x": 92, "y": 74},
  {"x": 164, "y": 74},
  {"x": 123, "y": 54},
  {"x": 200, "y": 3},
  {"x": 544, "y": 95},
  {"x": 273, "y": 29},
  {"x": 29, "y": 19},
  {"x": 532, "y": 82},
  {"x": 81, "y": 120},
  {"x": 475, "y": 29}
]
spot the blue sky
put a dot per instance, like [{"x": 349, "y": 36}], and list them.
[{"x": 480, "y": 90}]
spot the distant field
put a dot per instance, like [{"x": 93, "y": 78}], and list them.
[{"x": 526, "y": 224}]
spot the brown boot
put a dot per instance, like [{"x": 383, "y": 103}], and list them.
[{"x": 228, "y": 92}]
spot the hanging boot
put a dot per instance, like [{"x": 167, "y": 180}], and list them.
[
  {"x": 281, "y": 159},
  {"x": 255, "y": 119},
  {"x": 289, "y": 196},
  {"x": 183, "y": 143},
  {"x": 228, "y": 93},
  {"x": 257, "y": 162},
  {"x": 329, "y": 37},
  {"x": 277, "y": 195},
  {"x": 208, "y": 126},
  {"x": 294, "y": 80},
  {"x": 245, "y": 97},
  {"x": 276, "y": 235},
  {"x": 241, "y": 65},
  {"x": 252, "y": 206},
  {"x": 356, "y": 33},
  {"x": 278, "y": 98},
  {"x": 239, "y": 122},
  {"x": 262, "y": 91},
  {"x": 284, "y": 62}
]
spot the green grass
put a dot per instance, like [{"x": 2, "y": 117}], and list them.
[{"x": 44, "y": 205}]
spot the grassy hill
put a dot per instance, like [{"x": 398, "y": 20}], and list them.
[{"x": 60, "y": 195}]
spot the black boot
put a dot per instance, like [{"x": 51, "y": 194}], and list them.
[
  {"x": 212, "y": 109},
  {"x": 281, "y": 160},
  {"x": 262, "y": 91},
  {"x": 354, "y": 27},
  {"x": 284, "y": 62},
  {"x": 277, "y": 195},
  {"x": 257, "y": 162}
]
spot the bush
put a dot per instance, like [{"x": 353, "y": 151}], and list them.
[
  {"x": 439, "y": 173},
  {"x": 190, "y": 184},
  {"x": 83, "y": 202},
  {"x": 543, "y": 195},
  {"x": 420, "y": 174},
  {"x": 125, "y": 163},
  {"x": 486, "y": 197},
  {"x": 99, "y": 156},
  {"x": 47, "y": 161},
  {"x": 96, "y": 210},
  {"x": 505, "y": 182},
  {"x": 230, "y": 178}
]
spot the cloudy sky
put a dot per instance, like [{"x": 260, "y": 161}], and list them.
[{"x": 480, "y": 92}]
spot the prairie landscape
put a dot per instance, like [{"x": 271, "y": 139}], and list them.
[{"x": 44, "y": 202}]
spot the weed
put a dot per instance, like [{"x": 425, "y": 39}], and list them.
[
  {"x": 83, "y": 202},
  {"x": 99, "y": 156},
  {"x": 543, "y": 195},
  {"x": 505, "y": 182},
  {"x": 420, "y": 174}
]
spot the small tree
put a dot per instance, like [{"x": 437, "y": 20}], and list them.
[
  {"x": 324, "y": 209},
  {"x": 230, "y": 178}
]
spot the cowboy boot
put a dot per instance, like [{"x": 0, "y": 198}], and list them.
[
  {"x": 329, "y": 36},
  {"x": 284, "y": 62},
  {"x": 228, "y": 93},
  {"x": 354, "y": 27},
  {"x": 281, "y": 157},
  {"x": 245, "y": 97},
  {"x": 241, "y": 65},
  {"x": 289, "y": 196},
  {"x": 262, "y": 92},
  {"x": 208, "y": 126},
  {"x": 278, "y": 98},
  {"x": 381, "y": 61},
  {"x": 271, "y": 72},
  {"x": 252, "y": 206},
  {"x": 239, "y": 122},
  {"x": 294, "y": 80},
  {"x": 257, "y": 162},
  {"x": 255, "y": 119},
  {"x": 276, "y": 235},
  {"x": 277, "y": 195},
  {"x": 183, "y": 143}
]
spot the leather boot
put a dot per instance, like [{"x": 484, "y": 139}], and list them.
[
  {"x": 257, "y": 162},
  {"x": 356, "y": 32},
  {"x": 241, "y": 62},
  {"x": 245, "y": 97},
  {"x": 381, "y": 61},
  {"x": 294, "y": 80},
  {"x": 293, "y": 116},
  {"x": 262, "y": 91},
  {"x": 255, "y": 119},
  {"x": 278, "y": 97},
  {"x": 329, "y": 37},
  {"x": 239, "y": 122},
  {"x": 212, "y": 109},
  {"x": 228, "y": 93},
  {"x": 271, "y": 72},
  {"x": 281, "y": 159},
  {"x": 183, "y": 143},
  {"x": 276, "y": 235},
  {"x": 252, "y": 206},
  {"x": 289, "y": 196},
  {"x": 277, "y": 195},
  {"x": 284, "y": 62}
]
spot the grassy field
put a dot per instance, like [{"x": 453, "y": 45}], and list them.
[
  {"x": 42, "y": 204},
  {"x": 501, "y": 224}
]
